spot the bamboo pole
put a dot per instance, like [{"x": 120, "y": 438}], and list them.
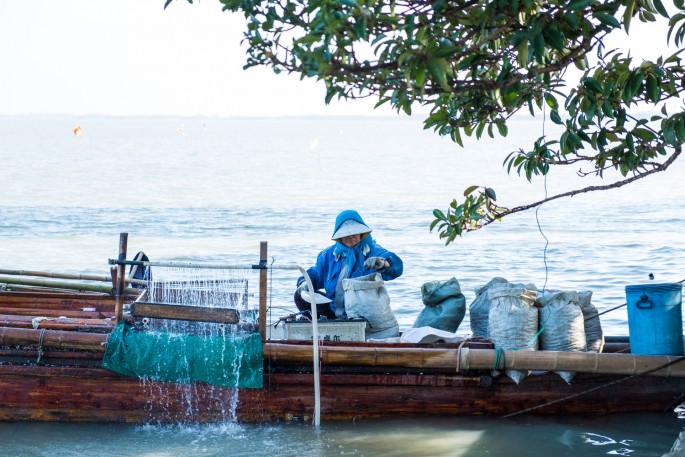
[
  {"x": 262, "y": 289},
  {"x": 62, "y": 284},
  {"x": 480, "y": 359},
  {"x": 49, "y": 274},
  {"x": 121, "y": 275},
  {"x": 581, "y": 362},
  {"x": 57, "y": 339}
]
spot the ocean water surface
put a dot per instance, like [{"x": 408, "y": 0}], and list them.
[{"x": 210, "y": 189}]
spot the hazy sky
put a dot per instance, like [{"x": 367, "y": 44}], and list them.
[{"x": 130, "y": 57}]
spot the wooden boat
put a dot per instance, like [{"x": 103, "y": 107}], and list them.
[{"x": 52, "y": 344}]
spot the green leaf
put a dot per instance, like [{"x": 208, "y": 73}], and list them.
[
  {"x": 437, "y": 69},
  {"x": 660, "y": 8},
  {"x": 606, "y": 109},
  {"x": 469, "y": 190},
  {"x": 608, "y": 19},
  {"x": 551, "y": 101},
  {"x": 635, "y": 82},
  {"x": 571, "y": 20},
  {"x": 579, "y": 4},
  {"x": 445, "y": 51},
  {"x": 554, "y": 116},
  {"x": 554, "y": 37},
  {"x": 630, "y": 142},
  {"x": 439, "y": 214},
  {"x": 490, "y": 193},
  {"x": 680, "y": 129},
  {"x": 522, "y": 55},
  {"x": 518, "y": 37},
  {"x": 653, "y": 90},
  {"x": 456, "y": 137},
  {"x": 592, "y": 84},
  {"x": 479, "y": 129},
  {"x": 538, "y": 47},
  {"x": 502, "y": 128},
  {"x": 669, "y": 132},
  {"x": 628, "y": 14}
]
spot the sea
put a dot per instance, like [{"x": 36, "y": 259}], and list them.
[{"x": 211, "y": 189}]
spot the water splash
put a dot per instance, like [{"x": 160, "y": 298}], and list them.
[{"x": 190, "y": 402}]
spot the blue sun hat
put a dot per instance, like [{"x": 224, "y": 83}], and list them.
[{"x": 349, "y": 222}]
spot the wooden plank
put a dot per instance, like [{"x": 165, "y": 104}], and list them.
[
  {"x": 94, "y": 395},
  {"x": 119, "y": 284},
  {"x": 186, "y": 313}
]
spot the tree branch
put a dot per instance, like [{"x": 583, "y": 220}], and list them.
[{"x": 615, "y": 185}]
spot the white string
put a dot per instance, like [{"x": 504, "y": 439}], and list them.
[{"x": 537, "y": 219}]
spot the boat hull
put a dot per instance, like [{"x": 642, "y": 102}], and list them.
[
  {"x": 74, "y": 394},
  {"x": 50, "y": 371}
]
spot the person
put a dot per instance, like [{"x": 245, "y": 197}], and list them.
[{"x": 355, "y": 253}]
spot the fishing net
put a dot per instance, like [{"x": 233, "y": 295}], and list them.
[{"x": 233, "y": 360}]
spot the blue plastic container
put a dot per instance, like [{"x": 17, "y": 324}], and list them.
[{"x": 655, "y": 319}]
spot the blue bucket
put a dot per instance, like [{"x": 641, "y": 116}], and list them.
[{"x": 655, "y": 319}]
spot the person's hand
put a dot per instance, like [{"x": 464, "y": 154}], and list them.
[{"x": 375, "y": 263}]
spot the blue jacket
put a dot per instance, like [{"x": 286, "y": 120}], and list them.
[{"x": 328, "y": 265}]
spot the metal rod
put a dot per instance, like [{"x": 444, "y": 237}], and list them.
[{"x": 209, "y": 266}]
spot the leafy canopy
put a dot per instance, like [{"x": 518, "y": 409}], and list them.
[{"x": 475, "y": 63}]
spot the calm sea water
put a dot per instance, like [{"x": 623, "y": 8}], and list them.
[{"x": 209, "y": 190}]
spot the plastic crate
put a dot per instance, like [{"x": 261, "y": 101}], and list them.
[{"x": 349, "y": 330}]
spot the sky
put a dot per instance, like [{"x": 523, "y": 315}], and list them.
[{"x": 132, "y": 57}]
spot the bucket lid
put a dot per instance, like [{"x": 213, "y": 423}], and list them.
[{"x": 665, "y": 287}]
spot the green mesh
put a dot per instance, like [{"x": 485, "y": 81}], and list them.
[{"x": 230, "y": 360}]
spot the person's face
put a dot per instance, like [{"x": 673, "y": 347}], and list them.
[{"x": 351, "y": 241}]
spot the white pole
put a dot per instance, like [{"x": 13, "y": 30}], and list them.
[{"x": 315, "y": 348}]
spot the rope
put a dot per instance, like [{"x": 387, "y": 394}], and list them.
[
  {"x": 609, "y": 384},
  {"x": 461, "y": 345},
  {"x": 35, "y": 322},
  {"x": 537, "y": 220},
  {"x": 499, "y": 353},
  {"x": 40, "y": 346}
]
